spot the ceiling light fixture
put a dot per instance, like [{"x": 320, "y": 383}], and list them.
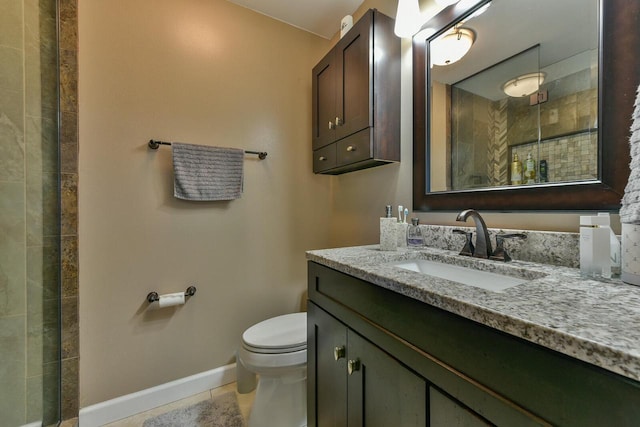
[
  {"x": 451, "y": 47},
  {"x": 524, "y": 85},
  {"x": 408, "y": 18}
]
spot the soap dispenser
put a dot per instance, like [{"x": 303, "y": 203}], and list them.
[
  {"x": 415, "y": 238},
  {"x": 388, "y": 227}
]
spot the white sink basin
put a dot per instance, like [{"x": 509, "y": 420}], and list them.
[{"x": 466, "y": 276}]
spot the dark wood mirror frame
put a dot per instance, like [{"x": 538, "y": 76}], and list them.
[{"x": 619, "y": 76}]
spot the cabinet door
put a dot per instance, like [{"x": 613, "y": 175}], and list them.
[
  {"x": 324, "y": 101},
  {"x": 354, "y": 66},
  {"x": 382, "y": 391},
  {"x": 327, "y": 369},
  {"x": 446, "y": 412}
]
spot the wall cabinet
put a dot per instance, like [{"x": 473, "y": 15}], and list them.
[
  {"x": 422, "y": 366},
  {"x": 356, "y": 99}
]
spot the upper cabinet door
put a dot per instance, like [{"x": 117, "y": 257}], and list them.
[
  {"x": 356, "y": 89},
  {"x": 354, "y": 84},
  {"x": 324, "y": 101}
]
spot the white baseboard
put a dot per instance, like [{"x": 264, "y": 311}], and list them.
[{"x": 144, "y": 400}]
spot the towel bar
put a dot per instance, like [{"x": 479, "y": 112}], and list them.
[
  {"x": 153, "y": 296},
  {"x": 155, "y": 144}
]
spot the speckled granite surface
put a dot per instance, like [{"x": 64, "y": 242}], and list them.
[
  {"x": 594, "y": 321},
  {"x": 545, "y": 247}
]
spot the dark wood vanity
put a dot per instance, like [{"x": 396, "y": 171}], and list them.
[{"x": 379, "y": 358}]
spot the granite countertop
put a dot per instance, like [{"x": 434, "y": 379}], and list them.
[{"x": 594, "y": 321}]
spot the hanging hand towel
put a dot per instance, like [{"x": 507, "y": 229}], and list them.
[{"x": 207, "y": 173}]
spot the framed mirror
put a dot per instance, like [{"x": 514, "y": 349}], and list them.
[{"x": 533, "y": 113}]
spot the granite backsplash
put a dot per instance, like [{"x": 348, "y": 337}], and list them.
[{"x": 545, "y": 247}]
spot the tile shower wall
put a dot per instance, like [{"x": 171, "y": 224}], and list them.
[
  {"x": 29, "y": 214},
  {"x": 570, "y": 158},
  {"x": 29, "y": 223}
]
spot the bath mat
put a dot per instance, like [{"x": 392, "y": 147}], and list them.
[{"x": 222, "y": 411}]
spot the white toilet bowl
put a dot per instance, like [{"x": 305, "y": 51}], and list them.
[{"x": 276, "y": 350}]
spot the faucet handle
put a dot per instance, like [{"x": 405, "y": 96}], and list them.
[
  {"x": 500, "y": 254},
  {"x": 468, "y": 245}
]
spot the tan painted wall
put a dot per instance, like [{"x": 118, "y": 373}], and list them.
[{"x": 204, "y": 72}]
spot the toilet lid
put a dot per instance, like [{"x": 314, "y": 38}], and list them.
[{"x": 277, "y": 335}]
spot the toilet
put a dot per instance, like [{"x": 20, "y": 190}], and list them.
[{"x": 276, "y": 350}]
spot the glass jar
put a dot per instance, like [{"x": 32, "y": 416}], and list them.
[{"x": 415, "y": 238}]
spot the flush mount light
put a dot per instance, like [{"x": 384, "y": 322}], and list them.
[
  {"x": 408, "y": 18},
  {"x": 452, "y": 46},
  {"x": 524, "y": 85}
]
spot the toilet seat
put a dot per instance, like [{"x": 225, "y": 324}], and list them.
[{"x": 278, "y": 335}]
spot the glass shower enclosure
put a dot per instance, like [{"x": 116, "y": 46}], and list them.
[{"x": 29, "y": 214}]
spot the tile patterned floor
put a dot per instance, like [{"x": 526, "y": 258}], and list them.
[{"x": 244, "y": 401}]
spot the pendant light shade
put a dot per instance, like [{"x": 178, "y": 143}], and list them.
[{"x": 408, "y": 18}]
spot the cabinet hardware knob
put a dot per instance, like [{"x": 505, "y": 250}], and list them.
[
  {"x": 331, "y": 126},
  {"x": 351, "y": 148},
  {"x": 353, "y": 365},
  {"x": 339, "y": 352},
  {"x": 322, "y": 158},
  {"x": 339, "y": 122}
]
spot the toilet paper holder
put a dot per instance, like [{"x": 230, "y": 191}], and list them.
[{"x": 153, "y": 296}]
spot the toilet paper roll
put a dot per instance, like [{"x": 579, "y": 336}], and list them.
[{"x": 168, "y": 300}]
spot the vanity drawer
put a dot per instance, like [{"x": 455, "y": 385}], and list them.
[
  {"x": 324, "y": 158},
  {"x": 355, "y": 148}
]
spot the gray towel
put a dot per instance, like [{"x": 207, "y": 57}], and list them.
[{"x": 207, "y": 173}]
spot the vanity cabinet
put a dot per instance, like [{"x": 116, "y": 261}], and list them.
[
  {"x": 420, "y": 365},
  {"x": 356, "y": 99},
  {"x": 354, "y": 378}
]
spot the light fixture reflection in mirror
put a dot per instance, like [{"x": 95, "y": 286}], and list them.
[
  {"x": 451, "y": 46},
  {"x": 524, "y": 85}
]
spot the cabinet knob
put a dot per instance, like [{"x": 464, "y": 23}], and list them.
[
  {"x": 339, "y": 352},
  {"x": 331, "y": 125},
  {"x": 351, "y": 148},
  {"x": 322, "y": 158},
  {"x": 353, "y": 365},
  {"x": 339, "y": 122}
]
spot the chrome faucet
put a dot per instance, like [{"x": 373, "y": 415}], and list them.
[{"x": 483, "y": 243}]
